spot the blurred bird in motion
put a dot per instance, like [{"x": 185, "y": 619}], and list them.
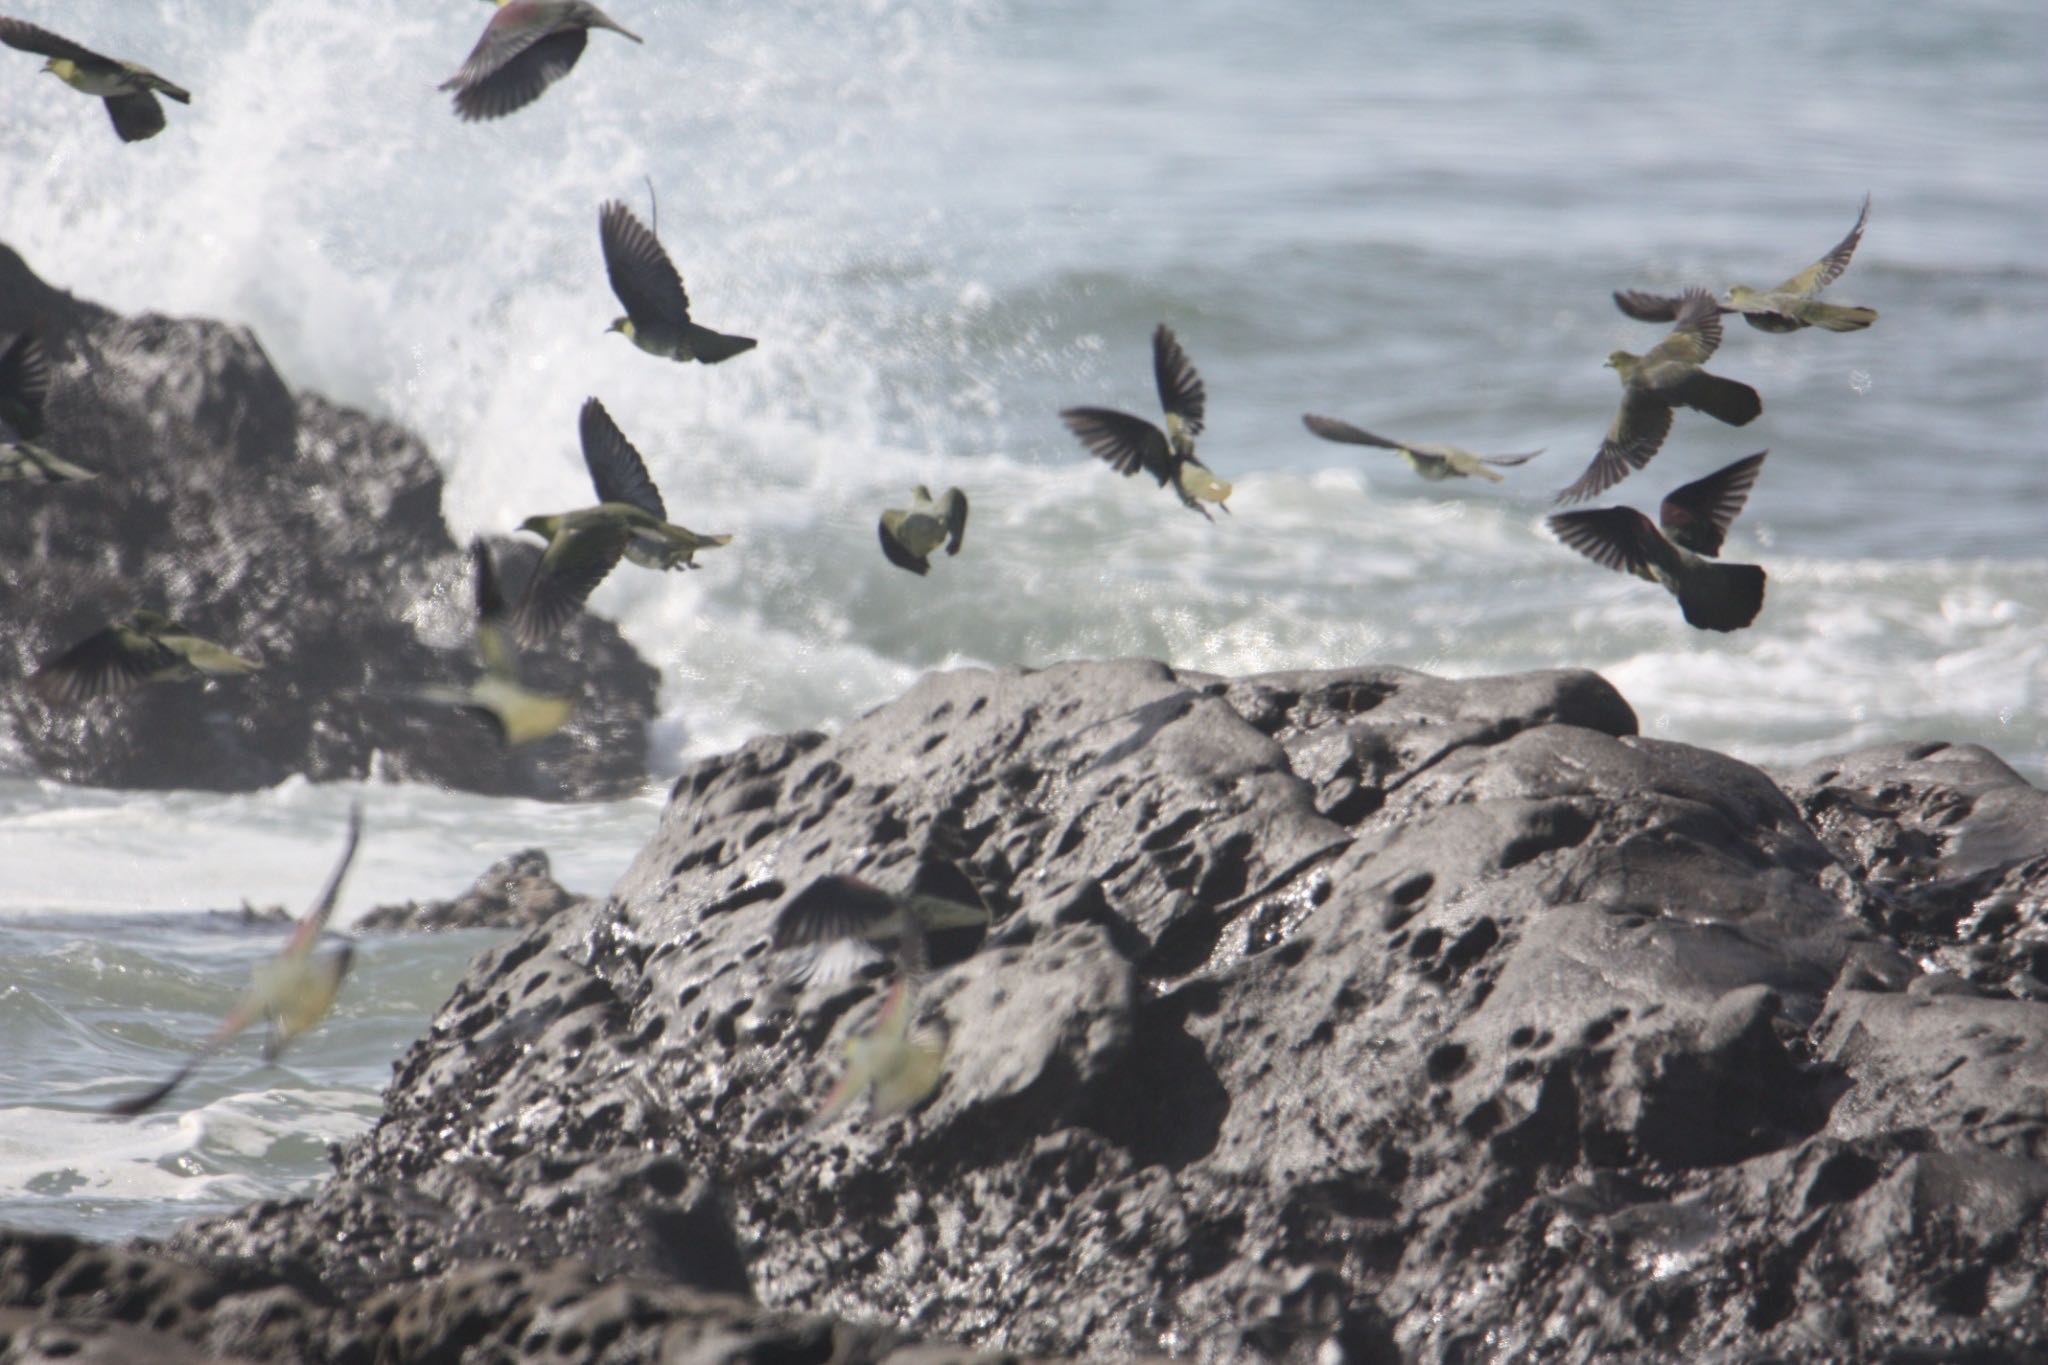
[
  {"x": 24, "y": 388},
  {"x": 292, "y": 991},
  {"x": 837, "y": 924},
  {"x": 143, "y": 647},
  {"x": 894, "y": 1064},
  {"x": 1653, "y": 384},
  {"x": 1433, "y": 462},
  {"x": 1695, "y": 520},
  {"x": 1131, "y": 444},
  {"x": 518, "y": 714},
  {"x": 909, "y": 536},
  {"x": 129, "y": 90},
  {"x": 657, "y": 316},
  {"x": 1787, "y": 307},
  {"x": 526, "y": 47},
  {"x": 629, "y": 522}
]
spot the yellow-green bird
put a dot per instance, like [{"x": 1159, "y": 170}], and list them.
[
  {"x": 1787, "y": 307},
  {"x": 24, "y": 387},
  {"x": 657, "y": 316},
  {"x": 144, "y": 647},
  {"x": 1131, "y": 444},
  {"x": 526, "y": 47},
  {"x": 129, "y": 90},
  {"x": 629, "y": 522},
  {"x": 910, "y": 535},
  {"x": 1668, "y": 376},
  {"x": 1695, "y": 520},
  {"x": 518, "y": 714},
  {"x": 292, "y": 991},
  {"x": 894, "y": 1064},
  {"x": 835, "y": 924},
  {"x": 1434, "y": 461}
]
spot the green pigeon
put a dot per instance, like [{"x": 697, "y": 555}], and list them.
[
  {"x": 145, "y": 647},
  {"x": 518, "y": 714},
  {"x": 657, "y": 310},
  {"x": 527, "y": 47},
  {"x": 1695, "y": 521},
  {"x": 834, "y": 924},
  {"x": 1652, "y": 385},
  {"x": 1788, "y": 307},
  {"x": 909, "y": 537},
  {"x": 1130, "y": 443},
  {"x": 129, "y": 90},
  {"x": 629, "y": 522},
  {"x": 292, "y": 991},
  {"x": 24, "y": 387},
  {"x": 1433, "y": 462},
  {"x": 896, "y": 1066}
]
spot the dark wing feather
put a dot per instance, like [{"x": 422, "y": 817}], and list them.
[
  {"x": 1330, "y": 429},
  {"x": 833, "y": 907},
  {"x": 1829, "y": 268},
  {"x": 896, "y": 551},
  {"x": 641, "y": 273},
  {"x": 616, "y": 469},
  {"x": 1180, "y": 388},
  {"x": 314, "y": 921},
  {"x": 136, "y": 117},
  {"x": 25, "y": 383},
  {"x": 1510, "y": 461},
  {"x": 26, "y": 37},
  {"x": 1636, "y": 435},
  {"x": 1646, "y": 307},
  {"x": 1696, "y": 334},
  {"x": 522, "y": 78},
  {"x": 1128, "y": 443},
  {"x": 955, "y": 508},
  {"x": 1698, "y": 515},
  {"x": 1618, "y": 538},
  {"x": 106, "y": 664},
  {"x": 575, "y": 562}
]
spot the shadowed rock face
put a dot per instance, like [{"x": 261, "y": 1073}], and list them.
[
  {"x": 1357, "y": 1015},
  {"x": 287, "y": 528}
]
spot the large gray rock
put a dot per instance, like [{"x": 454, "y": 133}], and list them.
[
  {"x": 283, "y": 526},
  {"x": 1355, "y": 1015}
]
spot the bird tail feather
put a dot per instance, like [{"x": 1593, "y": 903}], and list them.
[
  {"x": 1721, "y": 596},
  {"x": 712, "y": 347},
  {"x": 1727, "y": 400}
]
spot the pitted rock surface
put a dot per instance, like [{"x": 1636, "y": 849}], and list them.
[
  {"x": 1355, "y": 1015},
  {"x": 285, "y": 527}
]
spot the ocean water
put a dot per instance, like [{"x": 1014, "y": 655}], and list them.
[{"x": 947, "y": 219}]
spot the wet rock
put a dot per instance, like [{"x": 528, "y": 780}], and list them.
[
  {"x": 290, "y": 529},
  {"x": 517, "y": 892}
]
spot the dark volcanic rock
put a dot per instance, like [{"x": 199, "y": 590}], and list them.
[
  {"x": 513, "y": 893},
  {"x": 287, "y": 528},
  {"x": 1354, "y": 1016}
]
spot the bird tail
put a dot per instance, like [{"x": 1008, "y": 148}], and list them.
[
  {"x": 1728, "y": 400},
  {"x": 1837, "y": 317},
  {"x": 1721, "y": 596},
  {"x": 712, "y": 347}
]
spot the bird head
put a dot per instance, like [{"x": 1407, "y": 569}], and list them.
[
  {"x": 1739, "y": 294},
  {"x": 544, "y": 527},
  {"x": 1620, "y": 361},
  {"x": 58, "y": 67},
  {"x": 149, "y": 622},
  {"x": 624, "y": 325}
]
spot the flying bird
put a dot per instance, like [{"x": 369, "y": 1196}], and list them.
[
  {"x": 657, "y": 310},
  {"x": 24, "y": 387},
  {"x": 292, "y": 991},
  {"x": 1433, "y": 461},
  {"x": 1680, "y": 557},
  {"x": 1131, "y": 444},
  {"x": 835, "y": 924},
  {"x": 526, "y": 47},
  {"x": 143, "y": 647},
  {"x": 910, "y": 536},
  {"x": 1652, "y": 385},
  {"x": 894, "y": 1064},
  {"x": 1786, "y": 307},
  {"x": 129, "y": 90},
  {"x": 629, "y": 522},
  {"x": 518, "y": 714}
]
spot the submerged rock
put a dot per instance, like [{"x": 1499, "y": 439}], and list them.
[
  {"x": 516, "y": 892},
  {"x": 285, "y": 527},
  {"x": 1352, "y": 1015}
]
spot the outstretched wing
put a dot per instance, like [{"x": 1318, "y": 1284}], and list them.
[
  {"x": 26, "y": 37},
  {"x": 1180, "y": 389},
  {"x": 314, "y": 921},
  {"x": 616, "y": 469},
  {"x": 1128, "y": 443},
  {"x": 245, "y": 1013},
  {"x": 1646, "y": 307},
  {"x": 898, "y": 553},
  {"x": 24, "y": 383},
  {"x": 1330, "y": 429},
  {"x": 1618, "y": 538},
  {"x": 1636, "y": 434},
  {"x": 492, "y": 615},
  {"x": 1696, "y": 334},
  {"x": 1829, "y": 268},
  {"x": 576, "y": 561},
  {"x": 105, "y": 664},
  {"x": 136, "y": 117},
  {"x": 954, "y": 508},
  {"x": 1698, "y": 515},
  {"x": 641, "y": 273}
]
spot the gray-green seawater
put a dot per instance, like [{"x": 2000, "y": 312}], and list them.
[{"x": 946, "y": 221}]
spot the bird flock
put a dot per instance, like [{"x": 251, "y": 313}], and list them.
[{"x": 526, "y": 47}]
